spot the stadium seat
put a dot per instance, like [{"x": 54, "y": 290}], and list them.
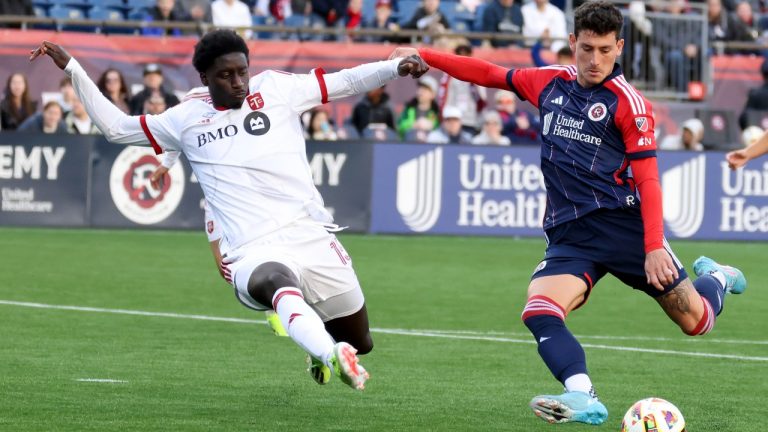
[
  {"x": 458, "y": 16},
  {"x": 69, "y": 12},
  {"x": 110, "y": 14},
  {"x": 720, "y": 128},
  {"x": 406, "y": 10},
  {"x": 112, "y": 4}
]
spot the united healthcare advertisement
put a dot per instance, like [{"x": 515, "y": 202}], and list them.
[{"x": 466, "y": 190}]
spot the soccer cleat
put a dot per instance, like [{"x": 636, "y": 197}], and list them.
[
  {"x": 569, "y": 407},
  {"x": 273, "y": 320},
  {"x": 346, "y": 366},
  {"x": 319, "y": 372},
  {"x": 735, "y": 282}
]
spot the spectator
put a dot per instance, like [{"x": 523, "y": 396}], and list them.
[
  {"x": 521, "y": 127},
  {"x": 564, "y": 55},
  {"x": 503, "y": 17},
  {"x": 49, "y": 121},
  {"x": 468, "y": 98},
  {"x": 691, "y": 133},
  {"x": 320, "y": 127},
  {"x": 153, "y": 80},
  {"x": 111, "y": 83},
  {"x": 329, "y": 12},
  {"x": 16, "y": 105},
  {"x": 353, "y": 19},
  {"x": 68, "y": 95},
  {"x": 16, "y": 7},
  {"x": 751, "y": 134},
  {"x": 726, "y": 27},
  {"x": 232, "y": 13},
  {"x": 78, "y": 122},
  {"x": 450, "y": 131},
  {"x": 373, "y": 108},
  {"x": 491, "y": 131},
  {"x": 155, "y": 103},
  {"x": 423, "y": 106},
  {"x": 428, "y": 18},
  {"x": 745, "y": 14},
  {"x": 677, "y": 42},
  {"x": 164, "y": 11},
  {"x": 199, "y": 10},
  {"x": 382, "y": 20},
  {"x": 757, "y": 100},
  {"x": 541, "y": 20}
]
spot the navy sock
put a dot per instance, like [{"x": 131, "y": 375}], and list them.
[
  {"x": 710, "y": 288},
  {"x": 560, "y": 351}
]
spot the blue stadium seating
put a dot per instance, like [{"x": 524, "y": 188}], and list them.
[
  {"x": 70, "y": 12},
  {"x": 110, "y": 14},
  {"x": 407, "y": 9}
]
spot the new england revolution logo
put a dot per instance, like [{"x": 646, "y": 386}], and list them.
[
  {"x": 132, "y": 193},
  {"x": 597, "y": 111}
]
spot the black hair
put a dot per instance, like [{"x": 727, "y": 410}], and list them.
[
  {"x": 565, "y": 52},
  {"x": 600, "y": 17},
  {"x": 214, "y": 45}
]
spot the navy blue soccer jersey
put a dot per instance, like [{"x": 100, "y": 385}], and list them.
[{"x": 590, "y": 135}]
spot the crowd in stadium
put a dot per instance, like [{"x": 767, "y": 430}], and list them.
[{"x": 444, "y": 111}]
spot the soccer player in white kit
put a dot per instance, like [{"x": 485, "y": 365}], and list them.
[{"x": 244, "y": 140}]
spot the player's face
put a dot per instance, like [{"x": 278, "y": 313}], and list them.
[
  {"x": 227, "y": 80},
  {"x": 595, "y": 56}
]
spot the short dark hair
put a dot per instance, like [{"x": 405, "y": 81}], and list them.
[
  {"x": 214, "y": 45},
  {"x": 565, "y": 52},
  {"x": 601, "y": 17}
]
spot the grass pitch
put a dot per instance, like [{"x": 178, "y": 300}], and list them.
[{"x": 451, "y": 353}]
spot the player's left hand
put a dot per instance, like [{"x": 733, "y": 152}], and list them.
[
  {"x": 412, "y": 65},
  {"x": 660, "y": 269},
  {"x": 59, "y": 55},
  {"x": 737, "y": 159}
]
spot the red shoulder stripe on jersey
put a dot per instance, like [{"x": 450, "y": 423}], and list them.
[
  {"x": 319, "y": 72},
  {"x": 635, "y": 100},
  {"x": 148, "y": 133}
]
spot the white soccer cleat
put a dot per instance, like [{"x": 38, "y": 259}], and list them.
[{"x": 347, "y": 367}]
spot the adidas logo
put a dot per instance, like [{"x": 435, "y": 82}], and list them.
[{"x": 557, "y": 101}]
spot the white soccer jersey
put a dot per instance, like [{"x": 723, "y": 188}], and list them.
[{"x": 251, "y": 162}]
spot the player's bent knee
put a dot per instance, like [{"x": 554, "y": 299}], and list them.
[
  {"x": 272, "y": 276},
  {"x": 365, "y": 345}
]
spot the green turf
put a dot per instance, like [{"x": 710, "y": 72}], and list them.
[{"x": 193, "y": 375}]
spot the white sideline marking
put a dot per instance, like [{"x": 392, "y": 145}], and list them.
[
  {"x": 101, "y": 380},
  {"x": 461, "y": 335}
]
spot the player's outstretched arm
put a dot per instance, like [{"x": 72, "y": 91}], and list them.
[
  {"x": 738, "y": 158},
  {"x": 464, "y": 68},
  {"x": 366, "y": 77},
  {"x": 116, "y": 126}
]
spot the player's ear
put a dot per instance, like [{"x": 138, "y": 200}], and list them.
[
  {"x": 572, "y": 42},
  {"x": 203, "y": 78},
  {"x": 620, "y": 46}
]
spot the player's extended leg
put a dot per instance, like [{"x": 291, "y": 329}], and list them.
[
  {"x": 695, "y": 305},
  {"x": 550, "y": 298},
  {"x": 274, "y": 283},
  {"x": 353, "y": 329}
]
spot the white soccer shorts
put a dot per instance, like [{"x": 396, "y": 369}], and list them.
[{"x": 317, "y": 259}]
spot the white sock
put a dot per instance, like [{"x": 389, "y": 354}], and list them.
[
  {"x": 720, "y": 277},
  {"x": 302, "y": 323},
  {"x": 579, "y": 382}
]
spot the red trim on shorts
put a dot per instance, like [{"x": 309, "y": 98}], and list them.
[
  {"x": 284, "y": 293},
  {"x": 148, "y": 133},
  {"x": 319, "y": 72}
]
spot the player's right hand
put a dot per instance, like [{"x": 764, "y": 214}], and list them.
[
  {"x": 59, "y": 55},
  {"x": 737, "y": 159},
  {"x": 660, "y": 269},
  {"x": 155, "y": 179}
]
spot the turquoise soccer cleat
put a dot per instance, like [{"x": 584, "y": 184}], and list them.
[
  {"x": 569, "y": 407},
  {"x": 735, "y": 282}
]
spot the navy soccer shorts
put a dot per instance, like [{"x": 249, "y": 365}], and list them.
[{"x": 603, "y": 241}]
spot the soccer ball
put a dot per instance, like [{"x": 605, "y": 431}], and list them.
[{"x": 653, "y": 415}]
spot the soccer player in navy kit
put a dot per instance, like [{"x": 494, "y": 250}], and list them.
[{"x": 595, "y": 128}]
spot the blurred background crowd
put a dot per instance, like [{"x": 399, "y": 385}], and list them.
[{"x": 667, "y": 52}]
